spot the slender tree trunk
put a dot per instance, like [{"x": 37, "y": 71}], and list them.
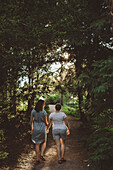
[
  {"x": 33, "y": 94},
  {"x": 110, "y": 4},
  {"x": 80, "y": 98},
  {"x": 29, "y": 106},
  {"x": 79, "y": 89},
  {"x": 10, "y": 92},
  {"x": 61, "y": 99},
  {"x": 29, "y": 97},
  {"x": 61, "y": 95},
  {"x": 14, "y": 99}
]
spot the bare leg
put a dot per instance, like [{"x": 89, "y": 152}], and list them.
[
  {"x": 58, "y": 148},
  {"x": 38, "y": 151},
  {"x": 62, "y": 142},
  {"x": 43, "y": 147}
]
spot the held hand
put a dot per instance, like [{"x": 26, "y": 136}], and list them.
[
  {"x": 68, "y": 132},
  {"x": 47, "y": 131},
  {"x": 31, "y": 130}
]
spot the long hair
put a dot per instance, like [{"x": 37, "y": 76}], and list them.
[{"x": 39, "y": 105}]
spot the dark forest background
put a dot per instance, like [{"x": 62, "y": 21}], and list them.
[{"x": 35, "y": 34}]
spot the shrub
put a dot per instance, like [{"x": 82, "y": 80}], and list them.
[
  {"x": 70, "y": 110},
  {"x": 100, "y": 142},
  {"x": 3, "y": 154},
  {"x": 100, "y": 147},
  {"x": 52, "y": 99}
]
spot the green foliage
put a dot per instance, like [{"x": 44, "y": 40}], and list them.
[
  {"x": 3, "y": 154},
  {"x": 71, "y": 110},
  {"x": 104, "y": 119},
  {"x": 52, "y": 99},
  {"x": 99, "y": 80},
  {"x": 22, "y": 106},
  {"x": 29, "y": 40},
  {"x": 72, "y": 101},
  {"x": 103, "y": 69},
  {"x": 100, "y": 147},
  {"x": 100, "y": 141}
]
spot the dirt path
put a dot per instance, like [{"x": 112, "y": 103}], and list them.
[{"x": 75, "y": 155}]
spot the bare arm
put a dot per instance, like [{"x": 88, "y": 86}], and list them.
[
  {"x": 46, "y": 122},
  {"x": 67, "y": 126},
  {"x": 66, "y": 123},
  {"x": 49, "y": 125}
]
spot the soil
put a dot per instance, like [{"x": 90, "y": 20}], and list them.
[{"x": 76, "y": 155}]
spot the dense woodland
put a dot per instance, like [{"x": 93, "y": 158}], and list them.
[{"x": 35, "y": 34}]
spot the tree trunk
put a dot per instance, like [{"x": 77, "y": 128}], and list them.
[
  {"x": 79, "y": 90},
  {"x": 4, "y": 94},
  {"x": 61, "y": 99},
  {"x": 29, "y": 106},
  {"x": 31, "y": 97},
  {"x": 80, "y": 98},
  {"x": 10, "y": 104},
  {"x": 110, "y": 4},
  {"x": 61, "y": 94},
  {"x": 13, "y": 99}
]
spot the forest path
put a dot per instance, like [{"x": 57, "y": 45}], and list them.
[{"x": 75, "y": 155}]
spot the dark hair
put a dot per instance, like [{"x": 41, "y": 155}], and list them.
[
  {"x": 58, "y": 106},
  {"x": 39, "y": 105}
]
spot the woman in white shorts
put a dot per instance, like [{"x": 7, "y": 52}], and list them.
[{"x": 60, "y": 130}]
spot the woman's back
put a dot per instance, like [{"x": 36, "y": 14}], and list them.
[
  {"x": 39, "y": 116},
  {"x": 39, "y": 131},
  {"x": 58, "y": 120}
]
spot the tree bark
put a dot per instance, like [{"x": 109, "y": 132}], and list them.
[
  {"x": 79, "y": 89},
  {"x": 14, "y": 99},
  {"x": 61, "y": 99},
  {"x": 31, "y": 97},
  {"x": 80, "y": 98},
  {"x": 110, "y": 4}
]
